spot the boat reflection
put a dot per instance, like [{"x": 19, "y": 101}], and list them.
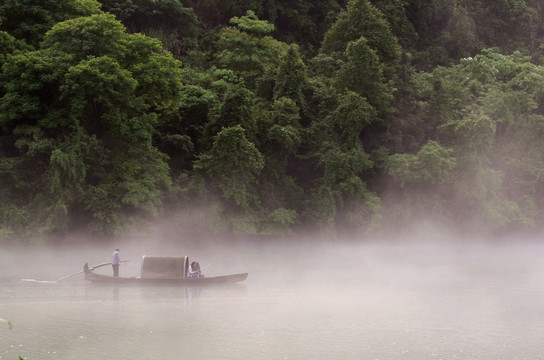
[{"x": 97, "y": 291}]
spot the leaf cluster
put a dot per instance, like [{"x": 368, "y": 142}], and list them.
[{"x": 270, "y": 117}]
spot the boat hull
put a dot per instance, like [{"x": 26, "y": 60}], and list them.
[{"x": 105, "y": 279}]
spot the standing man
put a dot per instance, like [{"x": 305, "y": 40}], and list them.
[{"x": 115, "y": 260}]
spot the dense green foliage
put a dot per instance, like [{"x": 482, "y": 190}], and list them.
[{"x": 270, "y": 117}]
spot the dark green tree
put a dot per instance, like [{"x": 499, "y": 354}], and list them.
[
  {"x": 339, "y": 198},
  {"x": 8, "y": 45},
  {"x": 29, "y": 20},
  {"x": 246, "y": 48},
  {"x": 236, "y": 108},
  {"x": 302, "y": 22},
  {"x": 84, "y": 116},
  {"x": 291, "y": 78},
  {"x": 487, "y": 117},
  {"x": 279, "y": 141},
  {"x": 362, "y": 19},
  {"x": 233, "y": 166},
  {"x": 167, "y": 20}
]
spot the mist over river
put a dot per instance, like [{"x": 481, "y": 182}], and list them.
[{"x": 435, "y": 299}]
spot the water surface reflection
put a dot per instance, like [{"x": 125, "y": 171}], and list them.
[{"x": 384, "y": 302}]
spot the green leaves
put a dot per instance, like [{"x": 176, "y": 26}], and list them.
[
  {"x": 246, "y": 50},
  {"x": 159, "y": 82},
  {"x": 233, "y": 164},
  {"x": 99, "y": 126},
  {"x": 29, "y": 20},
  {"x": 250, "y": 23},
  {"x": 342, "y": 169},
  {"x": 362, "y": 19},
  {"x": 350, "y": 118},
  {"x": 9, "y": 45},
  {"x": 67, "y": 170},
  {"x": 30, "y": 81},
  {"x": 84, "y": 107},
  {"x": 485, "y": 117},
  {"x": 291, "y": 78},
  {"x": 432, "y": 164},
  {"x": 98, "y": 86},
  {"x": 96, "y": 35}
]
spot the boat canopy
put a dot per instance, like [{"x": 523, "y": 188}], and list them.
[{"x": 160, "y": 267}]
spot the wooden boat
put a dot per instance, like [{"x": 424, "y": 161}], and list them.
[{"x": 163, "y": 271}]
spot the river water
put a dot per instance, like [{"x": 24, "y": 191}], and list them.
[{"x": 367, "y": 301}]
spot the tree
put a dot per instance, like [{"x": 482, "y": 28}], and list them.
[
  {"x": 362, "y": 73},
  {"x": 96, "y": 35},
  {"x": 291, "y": 78},
  {"x": 432, "y": 164},
  {"x": 362, "y": 19},
  {"x": 235, "y": 109},
  {"x": 302, "y": 22},
  {"x": 339, "y": 185},
  {"x": 233, "y": 165},
  {"x": 487, "y": 111},
  {"x": 167, "y": 20},
  {"x": 8, "y": 45},
  {"x": 280, "y": 136},
  {"x": 84, "y": 116},
  {"x": 29, "y": 20},
  {"x": 247, "y": 50},
  {"x": 360, "y": 54}
]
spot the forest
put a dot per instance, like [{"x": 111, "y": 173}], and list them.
[{"x": 270, "y": 117}]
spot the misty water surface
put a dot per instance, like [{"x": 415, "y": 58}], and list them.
[{"x": 399, "y": 300}]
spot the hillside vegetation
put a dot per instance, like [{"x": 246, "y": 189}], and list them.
[{"x": 270, "y": 117}]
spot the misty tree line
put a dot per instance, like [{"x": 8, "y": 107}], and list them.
[{"x": 270, "y": 117}]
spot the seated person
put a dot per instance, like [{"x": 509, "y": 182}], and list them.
[{"x": 194, "y": 270}]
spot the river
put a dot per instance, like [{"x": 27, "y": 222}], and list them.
[{"x": 369, "y": 301}]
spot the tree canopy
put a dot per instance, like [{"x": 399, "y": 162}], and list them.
[{"x": 270, "y": 118}]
